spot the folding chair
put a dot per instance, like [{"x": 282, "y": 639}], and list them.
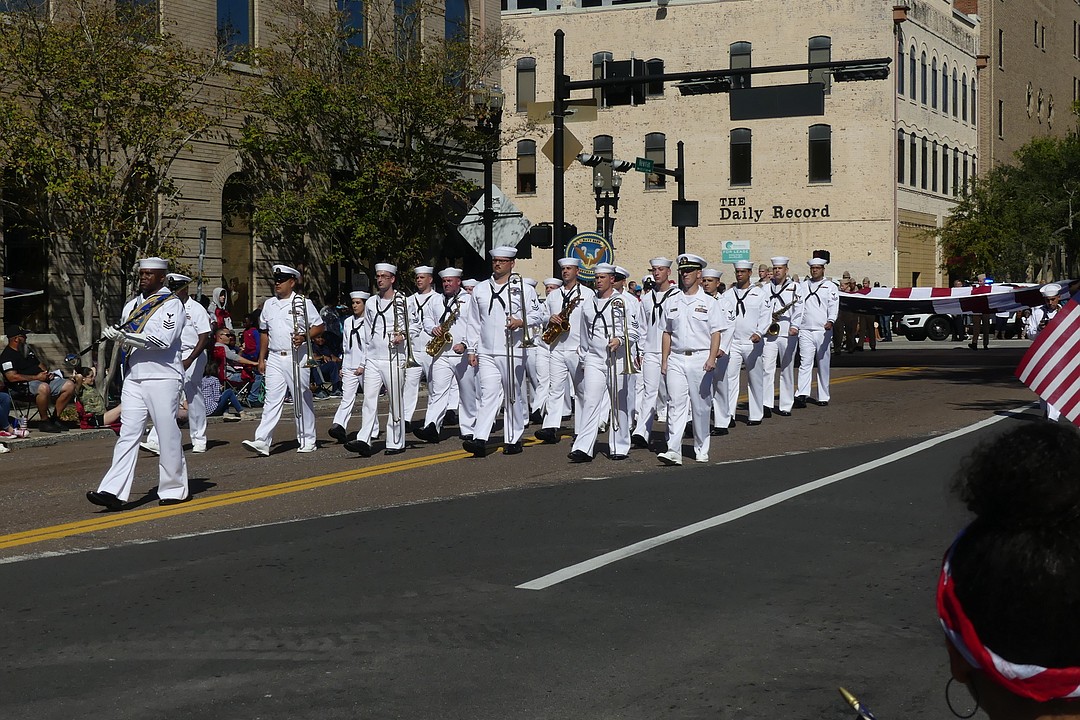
[{"x": 23, "y": 402}]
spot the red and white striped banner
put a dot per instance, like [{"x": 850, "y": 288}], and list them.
[
  {"x": 1051, "y": 366},
  {"x": 947, "y": 301}
]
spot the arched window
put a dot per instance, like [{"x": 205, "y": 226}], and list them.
[
  {"x": 945, "y": 88},
  {"x": 656, "y": 150},
  {"x": 934, "y": 166},
  {"x": 945, "y": 169},
  {"x": 955, "y": 93},
  {"x": 900, "y": 150},
  {"x": 965, "y": 169},
  {"x": 655, "y": 88},
  {"x": 738, "y": 58},
  {"x": 956, "y": 171},
  {"x": 352, "y": 19},
  {"x": 912, "y": 59},
  {"x": 598, "y": 60},
  {"x": 913, "y": 159},
  {"x": 457, "y": 20},
  {"x": 820, "y": 153},
  {"x": 526, "y": 83},
  {"x": 974, "y": 107},
  {"x": 741, "y": 157},
  {"x": 964, "y": 98},
  {"x": 900, "y": 66},
  {"x": 923, "y": 170},
  {"x": 526, "y": 167},
  {"x": 922, "y": 79},
  {"x": 819, "y": 49},
  {"x": 933, "y": 83}
]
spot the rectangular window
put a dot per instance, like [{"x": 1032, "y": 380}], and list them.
[
  {"x": 1001, "y": 119},
  {"x": 820, "y": 50},
  {"x": 913, "y": 160},
  {"x": 141, "y": 17},
  {"x": 234, "y": 25},
  {"x": 901, "y": 148},
  {"x": 741, "y": 156},
  {"x": 656, "y": 150},
  {"x": 1001, "y": 50},
  {"x": 655, "y": 88},
  {"x": 526, "y": 167},
  {"x": 933, "y": 167},
  {"x": 820, "y": 153},
  {"x": 945, "y": 170},
  {"x": 526, "y": 83},
  {"x": 599, "y": 70},
  {"x": 922, "y": 164},
  {"x": 1036, "y": 33},
  {"x": 352, "y": 21},
  {"x": 739, "y": 57}
]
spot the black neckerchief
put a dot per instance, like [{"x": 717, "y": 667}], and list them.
[
  {"x": 777, "y": 295},
  {"x": 497, "y": 295},
  {"x": 449, "y": 303},
  {"x": 566, "y": 296},
  {"x": 355, "y": 332},
  {"x": 813, "y": 292},
  {"x": 381, "y": 315},
  {"x": 658, "y": 305},
  {"x": 600, "y": 314},
  {"x": 740, "y": 308}
]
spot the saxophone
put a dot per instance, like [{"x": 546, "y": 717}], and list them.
[
  {"x": 774, "y": 329},
  {"x": 438, "y": 343},
  {"x": 557, "y": 328}
]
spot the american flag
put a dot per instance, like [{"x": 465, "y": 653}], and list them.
[{"x": 1051, "y": 366}]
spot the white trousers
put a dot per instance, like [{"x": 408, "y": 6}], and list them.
[
  {"x": 597, "y": 408},
  {"x": 690, "y": 389},
  {"x": 653, "y": 389},
  {"x": 412, "y": 378},
  {"x": 196, "y": 414},
  {"x": 468, "y": 404},
  {"x": 493, "y": 376},
  {"x": 444, "y": 378},
  {"x": 350, "y": 383},
  {"x": 280, "y": 376},
  {"x": 746, "y": 354},
  {"x": 565, "y": 371},
  {"x": 380, "y": 373},
  {"x": 779, "y": 350},
  {"x": 158, "y": 401},
  {"x": 814, "y": 345},
  {"x": 539, "y": 367},
  {"x": 721, "y": 404}
]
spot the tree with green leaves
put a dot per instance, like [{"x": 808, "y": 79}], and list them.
[
  {"x": 1018, "y": 221},
  {"x": 97, "y": 105},
  {"x": 357, "y": 130}
]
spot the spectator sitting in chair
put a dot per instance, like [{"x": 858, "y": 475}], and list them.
[
  {"x": 19, "y": 365},
  {"x": 223, "y": 350},
  {"x": 326, "y": 376},
  {"x": 7, "y": 430}
]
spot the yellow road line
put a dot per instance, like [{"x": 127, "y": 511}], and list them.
[{"x": 106, "y": 521}]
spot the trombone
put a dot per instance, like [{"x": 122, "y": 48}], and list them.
[
  {"x": 396, "y": 389},
  {"x": 299, "y": 310},
  {"x": 526, "y": 340},
  {"x": 628, "y": 360}
]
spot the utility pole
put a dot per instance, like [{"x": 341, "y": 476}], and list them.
[
  {"x": 562, "y": 93},
  {"x": 680, "y": 182}
]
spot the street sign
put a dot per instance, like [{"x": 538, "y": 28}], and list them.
[
  {"x": 505, "y": 230},
  {"x": 571, "y": 147},
  {"x": 583, "y": 110},
  {"x": 643, "y": 165},
  {"x": 734, "y": 250}
]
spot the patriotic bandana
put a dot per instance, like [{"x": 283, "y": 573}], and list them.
[{"x": 1030, "y": 681}]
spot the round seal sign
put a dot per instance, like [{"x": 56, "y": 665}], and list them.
[{"x": 592, "y": 249}]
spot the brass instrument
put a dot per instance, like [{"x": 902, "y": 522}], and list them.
[
  {"x": 440, "y": 342},
  {"x": 629, "y": 369},
  {"x": 774, "y": 328},
  {"x": 526, "y": 341},
  {"x": 864, "y": 712},
  {"x": 396, "y": 389},
  {"x": 556, "y": 328},
  {"x": 628, "y": 358},
  {"x": 299, "y": 310}
]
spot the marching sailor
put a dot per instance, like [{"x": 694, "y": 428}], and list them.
[
  {"x": 450, "y": 364},
  {"x": 1037, "y": 322},
  {"x": 654, "y": 307},
  {"x": 352, "y": 364},
  {"x": 422, "y": 302},
  {"x": 151, "y": 333},
  {"x": 540, "y": 360},
  {"x": 752, "y": 319},
  {"x": 820, "y": 301},
  {"x": 783, "y": 303},
  {"x": 690, "y": 344},
  {"x": 722, "y": 411},
  {"x": 392, "y": 329},
  {"x": 606, "y": 322},
  {"x": 288, "y": 321}
]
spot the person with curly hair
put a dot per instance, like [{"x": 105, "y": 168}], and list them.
[{"x": 1009, "y": 590}]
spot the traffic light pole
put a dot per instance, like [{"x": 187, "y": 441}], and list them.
[
  {"x": 562, "y": 93},
  {"x": 680, "y": 177}
]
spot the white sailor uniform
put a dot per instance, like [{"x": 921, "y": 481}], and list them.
[
  {"x": 691, "y": 322},
  {"x": 723, "y": 408},
  {"x": 780, "y": 348},
  {"x": 1039, "y": 314},
  {"x": 751, "y": 317},
  {"x": 352, "y": 359},
  {"x": 198, "y": 322},
  {"x": 419, "y": 305},
  {"x": 820, "y": 303},
  {"x": 565, "y": 368},
  {"x": 653, "y": 395},
  {"x": 449, "y": 368},
  {"x": 384, "y": 366}
]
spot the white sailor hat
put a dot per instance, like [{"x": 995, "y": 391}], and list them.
[
  {"x": 711, "y": 273},
  {"x": 423, "y": 270},
  {"x": 621, "y": 273},
  {"x": 1051, "y": 290},
  {"x": 450, "y": 272},
  {"x": 816, "y": 262},
  {"x": 153, "y": 263},
  {"x": 359, "y": 295},
  {"x": 659, "y": 262},
  {"x": 386, "y": 267},
  {"x": 780, "y": 260},
  {"x": 604, "y": 269},
  {"x": 470, "y": 283},
  {"x": 177, "y": 279},
  {"x": 286, "y": 270},
  {"x": 743, "y": 265},
  {"x": 691, "y": 262},
  {"x": 530, "y": 281},
  {"x": 504, "y": 251},
  {"x": 570, "y": 262},
  {"x": 557, "y": 282}
]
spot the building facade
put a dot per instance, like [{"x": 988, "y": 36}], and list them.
[{"x": 868, "y": 180}]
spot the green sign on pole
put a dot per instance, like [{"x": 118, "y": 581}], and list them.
[{"x": 643, "y": 165}]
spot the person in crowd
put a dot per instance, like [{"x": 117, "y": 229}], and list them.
[
  {"x": 8, "y": 430},
  {"x": 93, "y": 411},
  {"x": 981, "y": 323},
  {"x": 219, "y": 401},
  {"x": 959, "y": 334},
  {"x": 151, "y": 332},
  {"x": 1007, "y": 593},
  {"x": 447, "y": 319},
  {"x": 219, "y": 312},
  {"x": 251, "y": 338},
  {"x": 820, "y": 301},
  {"x": 19, "y": 364},
  {"x": 753, "y": 315},
  {"x": 326, "y": 375}
]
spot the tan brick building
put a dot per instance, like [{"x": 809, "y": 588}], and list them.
[{"x": 867, "y": 180}]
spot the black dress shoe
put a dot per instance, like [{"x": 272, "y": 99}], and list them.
[
  {"x": 782, "y": 413},
  {"x": 173, "y": 501},
  {"x": 408, "y": 426},
  {"x": 639, "y": 441},
  {"x": 823, "y": 403},
  {"x": 536, "y": 417},
  {"x": 549, "y": 436},
  {"x": 105, "y": 500},
  {"x": 465, "y": 438},
  {"x": 577, "y": 456},
  {"x": 732, "y": 423},
  {"x": 752, "y": 423},
  {"x": 359, "y": 447},
  {"x": 512, "y": 449},
  {"x": 428, "y": 434},
  {"x": 768, "y": 412},
  {"x": 475, "y": 447},
  {"x": 338, "y": 433},
  {"x": 717, "y": 432},
  {"x": 451, "y": 417},
  {"x": 617, "y": 456},
  {"x": 393, "y": 451},
  {"x": 800, "y": 401}
]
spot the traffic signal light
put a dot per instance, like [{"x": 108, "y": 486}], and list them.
[
  {"x": 589, "y": 160},
  {"x": 708, "y": 86},
  {"x": 861, "y": 72}
]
